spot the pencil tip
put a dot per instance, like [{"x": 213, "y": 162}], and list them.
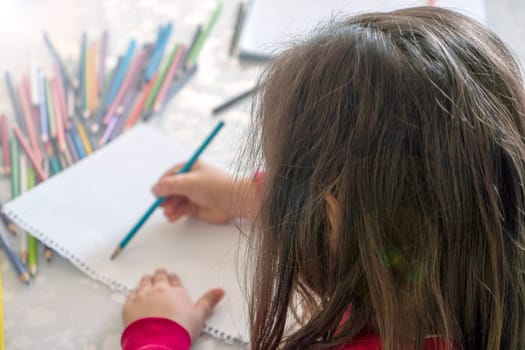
[{"x": 115, "y": 253}]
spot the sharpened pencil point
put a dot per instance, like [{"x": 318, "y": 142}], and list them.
[{"x": 115, "y": 253}]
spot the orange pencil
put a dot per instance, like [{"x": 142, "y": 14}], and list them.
[
  {"x": 92, "y": 77},
  {"x": 29, "y": 153},
  {"x": 137, "y": 109},
  {"x": 28, "y": 117}
]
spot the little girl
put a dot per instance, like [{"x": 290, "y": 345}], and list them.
[{"x": 391, "y": 210}]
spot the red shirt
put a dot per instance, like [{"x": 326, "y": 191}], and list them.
[{"x": 164, "y": 334}]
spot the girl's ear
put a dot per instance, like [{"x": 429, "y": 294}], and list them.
[{"x": 333, "y": 212}]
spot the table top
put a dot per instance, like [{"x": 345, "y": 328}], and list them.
[{"x": 64, "y": 309}]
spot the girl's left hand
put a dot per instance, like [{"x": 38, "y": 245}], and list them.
[{"x": 163, "y": 295}]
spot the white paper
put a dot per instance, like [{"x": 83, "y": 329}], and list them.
[
  {"x": 270, "y": 25},
  {"x": 86, "y": 210}
]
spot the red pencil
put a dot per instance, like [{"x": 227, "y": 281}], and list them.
[
  {"x": 5, "y": 145},
  {"x": 29, "y": 153},
  {"x": 28, "y": 117},
  {"x": 137, "y": 109}
]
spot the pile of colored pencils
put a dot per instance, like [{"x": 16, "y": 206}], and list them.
[{"x": 63, "y": 115}]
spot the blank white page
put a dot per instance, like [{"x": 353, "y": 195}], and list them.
[
  {"x": 271, "y": 24},
  {"x": 86, "y": 210}
]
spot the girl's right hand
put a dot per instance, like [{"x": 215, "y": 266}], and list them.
[{"x": 205, "y": 192}]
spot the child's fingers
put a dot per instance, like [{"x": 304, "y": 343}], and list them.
[
  {"x": 182, "y": 185},
  {"x": 160, "y": 276},
  {"x": 170, "y": 209},
  {"x": 207, "y": 302},
  {"x": 145, "y": 282},
  {"x": 172, "y": 201},
  {"x": 174, "y": 280},
  {"x": 182, "y": 210}
]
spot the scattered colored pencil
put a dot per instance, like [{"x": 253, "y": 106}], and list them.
[
  {"x": 232, "y": 101},
  {"x": 14, "y": 259},
  {"x": 5, "y": 145},
  {"x": 194, "y": 53},
  {"x": 159, "y": 201}
]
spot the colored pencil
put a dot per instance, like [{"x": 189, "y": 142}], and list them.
[
  {"x": 168, "y": 80},
  {"x": 175, "y": 88},
  {"x": 59, "y": 120},
  {"x": 2, "y": 335},
  {"x": 133, "y": 72},
  {"x": 102, "y": 60},
  {"x": 22, "y": 181},
  {"x": 44, "y": 130},
  {"x": 192, "y": 58},
  {"x": 84, "y": 138},
  {"x": 13, "y": 258},
  {"x": 109, "y": 130},
  {"x": 120, "y": 74},
  {"x": 95, "y": 125},
  {"x": 194, "y": 39},
  {"x": 158, "y": 82},
  {"x": 239, "y": 20},
  {"x": 72, "y": 83},
  {"x": 29, "y": 153},
  {"x": 7, "y": 222},
  {"x": 32, "y": 243},
  {"x": 123, "y": 112},
  {"x": 179, "y": 84},
  {"x": 28, "y": 117},
  {"x": 82, "y": 68},
  {"x": 232, "y": 101},
  {"x": 71, "y": 146},
  {"x": 15, "y": 102},
  {"x": 35, "y": 96},
  {"x": 158, "y": 51},
  {"x": 62, "y": 99},
  {"x": 91, "y": 72},
  {"x": 159, "y": 201},
  {"x": 50, "y": 110},
  {"x": 5, "y": 144},
  {"x": 78, "y": 143},
  {"x": 137, "y": 109}
]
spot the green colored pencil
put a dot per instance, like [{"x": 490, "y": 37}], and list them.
[
  {"x": 192, "y": 56},
  {"x": 32, "y": 243},
  {"x": 50, "y": 111},
  {"x": 158, "y": 82},
  {"x": 15, "y": 168}
]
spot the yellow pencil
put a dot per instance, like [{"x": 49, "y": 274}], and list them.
[{"x": 83, "y": 136}]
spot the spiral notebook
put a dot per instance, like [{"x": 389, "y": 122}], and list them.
[{"x": 83, "y": 213}]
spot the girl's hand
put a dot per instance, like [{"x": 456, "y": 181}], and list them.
[
  {"x": 205, "y": 192},
  {"x": 163, "y": 295}
]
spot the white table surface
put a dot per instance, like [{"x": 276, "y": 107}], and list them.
[{"x": 63, "y": 309}]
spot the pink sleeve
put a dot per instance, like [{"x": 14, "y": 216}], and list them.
[{"x": 154, "y": 333}]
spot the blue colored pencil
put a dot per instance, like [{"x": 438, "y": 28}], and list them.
[
  {"x": 15, "y": 101},
  {"x": 73, "y": 84},
  {"x": 78, "y": 143},
  {"x": 158, "y": 52},
  {"x": 14, "y": 259},
  {"x": 121, "y": 72},
  {"x": 44, "y": 130},
  {"x": 95, "y": 126},
  {"x": 159, "y": 200}
]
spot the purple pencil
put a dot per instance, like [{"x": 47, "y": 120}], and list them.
[
  {"x": 109, "y": 130},
  {"x": 71, "y": 145},
  {"x": 123, "y": 112}
]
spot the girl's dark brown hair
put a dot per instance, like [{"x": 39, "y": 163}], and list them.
[{"x": 408, "y": 128}]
